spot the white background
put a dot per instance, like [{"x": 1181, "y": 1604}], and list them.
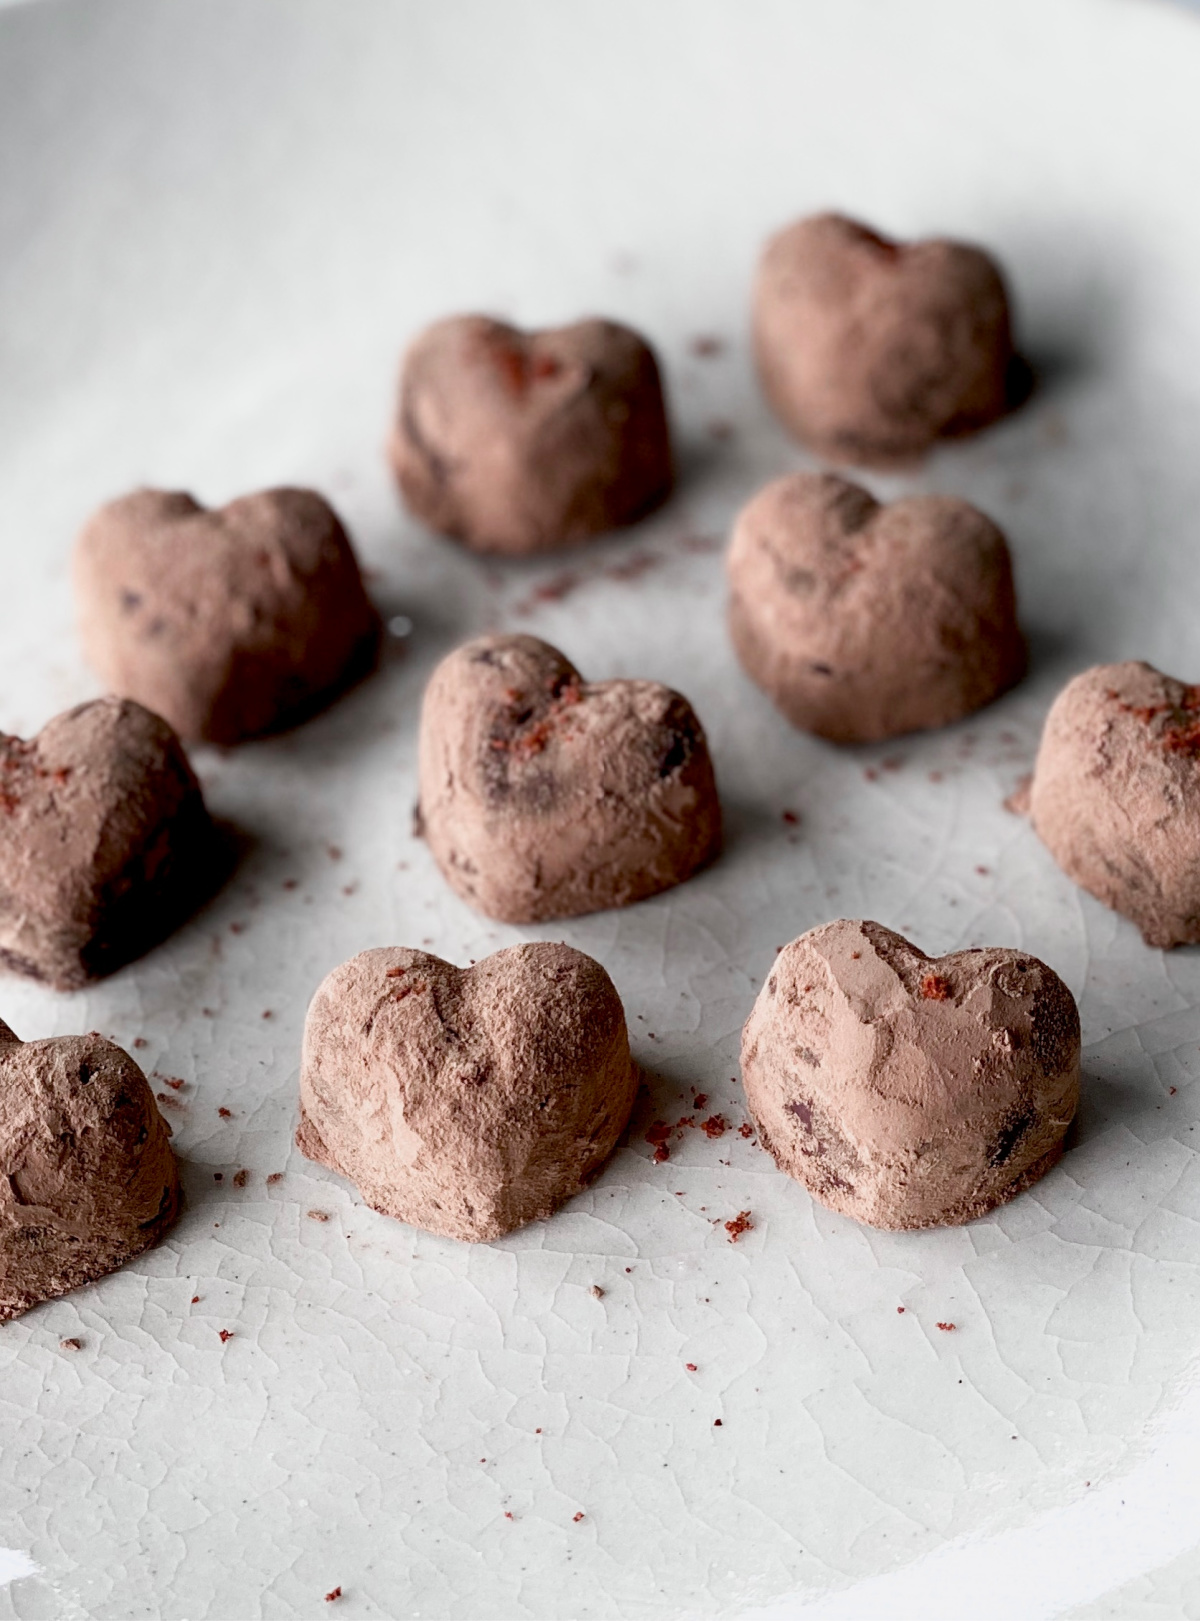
[{"x": 219, "y": 223}]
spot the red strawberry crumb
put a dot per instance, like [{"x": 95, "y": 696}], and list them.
[
  {"x": 241, "y": 1178},
  {"x": 716, "y": 1423},
  {"x": 936, "y": 988},
  {"x": 745, "y": 1129},
  {"x": 333, "y": 1595},
  {"x": 739, "y": 1225},
  {"x": 715, "y": 1126},
  {"x": 226, "y": 1114},
  {"x": 690, "y": 1366},
  {"x": 226, "y": 1334},
  {"x": 699, "y": 1101},
  {"x": 947, "y": 1328},
  {"x": 578, "y": 1517}
]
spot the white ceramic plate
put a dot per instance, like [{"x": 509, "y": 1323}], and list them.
[{"x": 218, "y": 225}]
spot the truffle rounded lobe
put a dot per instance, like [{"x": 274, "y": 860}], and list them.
[
  {"x": 870, "y": 350},
  {"x": 230, "y": 622},
  {"x": 87, "y": 1176},
  {"x": 908, "y": 1091},
  {"x": 543, "y": 795},
  {"x": 468, "y": 1102},
  {"x": 105, "y": 842},
  {"x": 863, "y": 621},
  {"x": 522, "y": 442},
  {"x": 1115, "y": 795}
]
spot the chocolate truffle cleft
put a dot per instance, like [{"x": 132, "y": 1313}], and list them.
[
  {"x": 466, "y": 1101},
  {"x": 229, "y": 623},
  {"x": 907, "y": 1091},
  {"x": 863, "y": 621},
  {"x": 1115, "y": 795},
  {"x": 87, "y": 1176},
  {"x": 543, "y": 795},
  {"x": 105, "y": 842},
  {"x": 870, "y": 350},
  {"x": 520, "y": 442}
]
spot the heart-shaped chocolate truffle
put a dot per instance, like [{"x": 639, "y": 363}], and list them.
[
  {"x": 87, "y": 1176},
  {"x": 518, "y": 442},
  {"x": 105, "y": 843},
  {"x": 863, "y": 621},
  {"x": 906, "y": 1090},
  {"x": 1116, "y": 795},
  {"x": 869, "y": 350},
  {"x": 228, "y": 623},
  {"x": 466, "y": 1101},
  {"x": 544, "y": 795}
]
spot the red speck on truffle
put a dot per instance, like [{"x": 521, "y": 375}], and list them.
[{"x": 935, "y": 988}]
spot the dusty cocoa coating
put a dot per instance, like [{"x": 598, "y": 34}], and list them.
[
  {"x": 1116, "y": 795},
  {"x": 87, "y": 1176},
  {"x": 863, "y": 621},
  {"x": 230, "y": 622},
  {"x": 105, "y": 842},
  {"x": 517, "y": 442},
  {"x": 467, "y": 1102},
  {"x": 869, "y": 350},
  {"x": 906, "y": 1090},
  {"x": 544, "y": 795}
]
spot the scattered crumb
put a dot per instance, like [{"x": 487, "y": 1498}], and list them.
[
  {"x": 334, "y": 852},
  {"x": 1017, "y": 802},
  {"x": 208, "y": 1013},
  {"x": 172, "y": 1081},
  {"x": 745, "y": 1129},
  {"x": 705, "y": 345},
  {"x": 169, "y": 1101},
  {"x": 578, "y": 1517},
  {"x": 291, "y": 883},
  {"x": 690, "y": 1366},
  {"x": 267, "y": 1013},
  {"x": 740, "y": 1224},
  {"x": 983, "y": 871},
  {"x": 632, "y": 568},
  {"x": 140, "y": 1041},
  {"x": 699, "y": 1101},
  {"x": 936, "y": 988},
  {"x": 870, "y": 773},
  {"x": 351, "y": 888},
  {"x": 317, "y": 1215},
  {"x": 70, "y": 1345},
  {"x": 715, "y": 1126},
  {"x": 218, "y": 1176},
  {"x": 241, "y": 1178},
  {"x": 716, "y": 1423},
  {"x": 195, "y": 1300},
  {"x": 508, "y": 1514},
  {"x": 947, "y": 1328},
  {"x": 657, "y": 1135},
  {"x": 226, "y": 1335},
  {"x": 900, "y": 1311},
  {"x": 236, "y": 928},
  {"x": 275, "y": 1176},
  {"x": 1171, "y": 1090},
  {"x": 333, "y": 1595},
  {"x": 597, "y": 1291},
  {"x": 226, "y": 1114},
  {"x": 791, "y": 818}
]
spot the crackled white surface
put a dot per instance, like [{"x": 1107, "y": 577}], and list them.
[{"x": 218, "y": 224}]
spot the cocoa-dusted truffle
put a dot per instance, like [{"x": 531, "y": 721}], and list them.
[
  {"x": 863, "y": 621},
  {"x": 906, "y": 1090},
  {"x": 1116, "y": 795},
  {"x": 869, "y": 350},
  {"x": 544, "y": 795},
  {"x": 87, "y": 1176},
  {"x": 105, "y": 843},
  {"x": 517, "y": 442},
  {"x": 466, "y": 1101},
  {"x": 230, "y": 622}
]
